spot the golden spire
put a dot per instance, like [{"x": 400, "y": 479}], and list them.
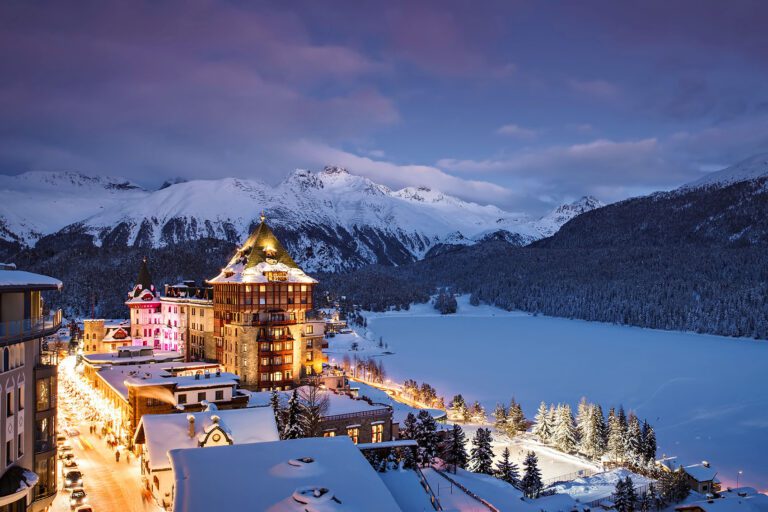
[{"x": 263, "y": 217}]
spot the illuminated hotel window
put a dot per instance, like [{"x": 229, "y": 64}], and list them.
[
  {"x": 329, "y": 433},
  {"x": 353, "y": 433},
  {"x": 377, "y": 433}
]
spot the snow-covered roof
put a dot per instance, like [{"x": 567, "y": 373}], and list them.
[
  {"x": 321, "y": 474},
  {"x": 212, "y": 380},
  {"x": 337, "y": 403},
  {"x": 750, "y": 501},
  {"x": 115, "y": 358},
  {"x": 261, "y": 255},
  {"x": 164, "y": 432},
  {"x": 116, "y": 376},
  {"x": 22, "y": 279},
  {"x": 700, "y": 472}
]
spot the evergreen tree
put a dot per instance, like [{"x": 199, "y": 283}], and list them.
[
  {"x": 633, "y": 447},
  {"x": 593, "y": 444},
  {"x": 649, "y": 444},
  {"x": 457, "y": 408},
  {"x": 629, "y": 489},
  {"x": 645, "y": 502},
  {"x": 531, "y": 484},
  {"x": 274, "y": 402},
  {"x": 481, "y": 453},
  {"x": 455, "y": 450},
  {"x": 582, "y": 421},
  {"x": 620, "y": 497},
  {"x": 615, "y": 437},
  {"x": 507, "y": 470},
  {"x": 427, "y": 437},
  {"x": 673, "y": 486},
  {"x": 292, "y": 428},
  {"x": 478, "y": 413},
  {"x": 410, "y": 426},
  {"x": 516, "y": 418},
  {"x": 542, "y": 426},
  {"x": 500, "y": 418},
  {"x": 564, "y": 436}
]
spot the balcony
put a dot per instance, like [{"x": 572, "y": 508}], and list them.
[
  {"x": 267, "y": 337},
  {"x": 15, "y": 331}
]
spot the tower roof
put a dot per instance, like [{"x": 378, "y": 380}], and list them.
[
  {"x": 143, "y": 281},
  {"x": 260, "y": 259}
]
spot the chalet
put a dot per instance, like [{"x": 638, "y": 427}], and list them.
[
  {"x": 100, "y": 336},
  {"x": 702, "y": 478},
  {"x": 157, "y": 434}
]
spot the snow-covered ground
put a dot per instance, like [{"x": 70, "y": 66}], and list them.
[
  {"x": 705, "y": 395},
  {"x": 598, "y": 486}
]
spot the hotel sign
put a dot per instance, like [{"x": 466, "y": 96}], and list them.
[{"x": 276, "y": 276}]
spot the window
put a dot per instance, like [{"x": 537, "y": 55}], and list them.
[
  {"x": 277, "y": 376},
  {"x": 309, "y": 343},
  {"x": 9, "y": 404},
  {"x": 8, "y": 452},
  {"x": 265, "y": 346},
  {"x": 201, "y": 396},
  {"x": 264, "y": 361},
  {"x": 329, "y": 433},
  {"x": 182, "y": 398},
  {"x": 288, "y": 359},
  {"x": 303, "y": 287},
  {"x": 264, "y": 377},
  {"x": 46, "y": 398},
  {"x": 377, "y": 433},
  {"x": 20, "y": 444},
  {"x": 309, "y": 329},
  {"x": 20, "y": 397},
  {"x": 219, "y": 394},
  {"x": 354, "y": 433},
  {"x": 309, "y": 355},
  {"x": 288, "y": 375},
  {"x": 44, "y": 435}
]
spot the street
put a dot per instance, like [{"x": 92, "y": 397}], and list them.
[{"x": 110, "y": 486}]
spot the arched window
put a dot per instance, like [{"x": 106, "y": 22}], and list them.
[{"x": 6, "y": 359}]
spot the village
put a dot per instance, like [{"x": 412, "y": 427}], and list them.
[{"x": 221, "y": 395}]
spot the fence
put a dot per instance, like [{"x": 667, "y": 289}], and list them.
[
  {"x": 639, "y": 490},
  {"x": 432, "y": 498},
  {"x": 582, "y": 473},
  {"x": 466, "y": 491}
]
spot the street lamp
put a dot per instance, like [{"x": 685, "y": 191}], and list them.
[{"x": 740, "y": 472}]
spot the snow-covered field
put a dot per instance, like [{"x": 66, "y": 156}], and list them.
[{"x": 705, "y": 395}]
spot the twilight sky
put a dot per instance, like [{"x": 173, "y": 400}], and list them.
[{"x": 521, "y": 104}]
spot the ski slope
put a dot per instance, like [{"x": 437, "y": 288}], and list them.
[{"x": 705, "y": 395}]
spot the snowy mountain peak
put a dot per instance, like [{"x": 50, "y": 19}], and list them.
[
  {"x": 750, "y": 169},
  {"x": 333, "y": 170},
  {"x": 67, "y": 179}
]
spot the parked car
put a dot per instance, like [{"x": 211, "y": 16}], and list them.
[
  {"x": 64, "y": 449},
  {"x": 67, "y": 456},
  {"x": 77, "y": 497},
  {"x": 73, "y": 432},
  {"x": 60, "y": 439},
  {"x": 73, "y": 478},
  {"x": 68, "y": 465}
]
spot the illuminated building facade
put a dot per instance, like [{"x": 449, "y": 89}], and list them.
[
  {"x": 29, "y": 389},
  {"x": 260, "y": 304}
]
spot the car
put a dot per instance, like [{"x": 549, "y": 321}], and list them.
[
  {"x": 68, "y": 465},
  {"x": 61, "y": 439},
  {"x": 73, "y": 478},
  {"x": 67, "y": 456},
  {"x": 84, "y": 508},
  {"x": 73, "y": 432},
  {"x": 77, "y": 498},
  {"x": 65, "y": 449}
]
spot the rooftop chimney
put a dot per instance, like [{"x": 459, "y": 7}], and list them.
[{"x": 191, "y": 420}]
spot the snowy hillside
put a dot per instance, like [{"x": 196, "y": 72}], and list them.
[
  {"x": 330, "y": 219},
  {"x": 39, "y": 203},
  {"x": 746, "y": 170}
]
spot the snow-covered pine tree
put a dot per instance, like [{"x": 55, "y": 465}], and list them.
[
  {"x": 531, "y": 484},
  {"x": 620, "y": 498},
  {"x": 623, "y": 424},
  {"x": 427, "y": 437},
  {"x": 629, "y": 489},
  {"x": 274, "y": 402},
  {"x": 500, "y": 418},
  {"x": 599, "y": 419},
  {"x": 633, "y": 448},
  {"x": 507, "y": 470},
  {"x": 582, "y": 420},
  {"x": 615, "y": 437},
  {"x": 552, "y": 416},
  {"x": 455, "y": 450},
  {"x": 292, "y": 428},
  {"x": 516, "y": 418},
  {"x": 649, "y": 444},
  {"x": 457, "y": 408},
  {"x": 542, "y": 426},
  {"x": 478, "y": 413},
  {"x": 410, "y": 425},
  {"x": 481, "y": 453},
  {"x": 593, "y": 444},
  {"x": 564, "y": 436},
  {"x": 645, "y": 501}
]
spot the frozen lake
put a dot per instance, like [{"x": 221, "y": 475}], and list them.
[{"x": 706, "y": 396}]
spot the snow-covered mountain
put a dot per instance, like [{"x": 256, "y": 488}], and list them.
[
  {"x": 329, "y": 219},
  {"x": 750, "y": 169}
]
